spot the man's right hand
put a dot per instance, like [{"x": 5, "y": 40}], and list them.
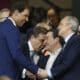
[
  {"x": 30, "y": 75},
  {"x": 42, "y": 73}
]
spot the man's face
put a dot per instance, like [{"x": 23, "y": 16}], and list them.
[
  {"x": 64, "y": 27},
  {"x": 38, "y": 42},
  {"x": 22, "y": 17},
  {"x": 51, "y": 41}
]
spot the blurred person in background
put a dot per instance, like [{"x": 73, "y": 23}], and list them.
[
  {"x": 5, "y": 6},
  {"x": 44, "y": 25},
  {"x": 38, "y": 15},
  {"x": 53, "y": 15}
]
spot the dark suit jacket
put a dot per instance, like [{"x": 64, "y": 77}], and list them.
[
  {"x": 42, "y": 61},
  {"x": 25, "y": 49},
  {"x": 26, "y": 52},
  {"x": 10, "y": 52},
  {"x": 67, "y": 64}
]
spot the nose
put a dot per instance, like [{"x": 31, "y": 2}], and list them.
[{"x": 27, "y": 19}]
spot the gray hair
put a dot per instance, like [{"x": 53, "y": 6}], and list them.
[{"x": 74, "y": 22}]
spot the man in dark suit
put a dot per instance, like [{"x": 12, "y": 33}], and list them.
[
  {"x": 34, "y": 44},
  {"x": 47, "y": 60},
  {"x": 10, "y": 52},
  {"x": 67, "y": 64}
]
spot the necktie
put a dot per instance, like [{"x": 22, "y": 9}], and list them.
[{"x": 32, "y": 55}]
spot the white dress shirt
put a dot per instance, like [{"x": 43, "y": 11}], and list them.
[
  {"x": 36, "y": 56},
  {"x": 51, "y": 61}
]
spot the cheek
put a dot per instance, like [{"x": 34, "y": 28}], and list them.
[
  {"x": 49, "y": 42},
  {"x": 37, "y": 44},
  {"x": 22, "y": 20}
]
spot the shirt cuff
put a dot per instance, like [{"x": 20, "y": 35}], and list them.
[
  {"x": 49, "y": 73},
  {"x": 24, "y": 73}
]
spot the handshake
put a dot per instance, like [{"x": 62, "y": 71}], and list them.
[{"x": 41, "y": 74}]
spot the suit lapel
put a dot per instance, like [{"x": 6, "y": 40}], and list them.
[{"x": 62, "y": 53}]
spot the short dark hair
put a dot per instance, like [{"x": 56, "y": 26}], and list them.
[
  {"x": 54, "y": 32},
  {"x": 36, "y": 31},
  {"x": 55, "y": 35},
  {"x": 20, "y": 6}
]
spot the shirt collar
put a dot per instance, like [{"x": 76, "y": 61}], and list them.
[
  {"x": 68, "y": 37},
  {"x": 30, "y": 46},
  {"x": 12, "y": 21}
]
